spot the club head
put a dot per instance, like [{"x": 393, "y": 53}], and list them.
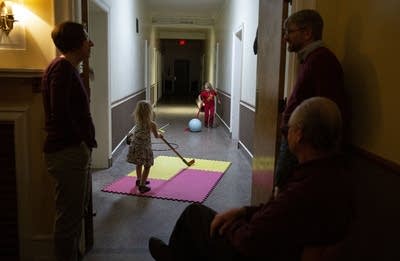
[{"x": 190, "y": 163}]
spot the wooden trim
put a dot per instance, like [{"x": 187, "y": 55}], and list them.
[
  {"x": 123, "y": 100},
  {"x": 20, "y": 73},
  {"x": 18, "y": 115},
  {"x": 32, "y": 75},
  {"x": 224, "y": 93},
  {"x": 88, "y": 219},
  {"x": 387, "y": 164},
  {"x": 248, "y": 105},
  {"x": 85, "y": 62}
]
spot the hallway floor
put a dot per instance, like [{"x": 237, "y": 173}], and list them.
[{"x": 123, "y": 223}]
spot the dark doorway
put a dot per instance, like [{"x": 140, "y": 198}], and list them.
[
  {"x": 182, "y": 85},
  {"x": 182, "y": 69}
]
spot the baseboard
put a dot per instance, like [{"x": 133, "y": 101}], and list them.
[{"x": 245, "y": 150}]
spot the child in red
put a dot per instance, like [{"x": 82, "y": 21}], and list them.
[{"x": 207, "y": 96}]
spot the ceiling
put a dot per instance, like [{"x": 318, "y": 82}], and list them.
[
  {"x": 185, "y": 8},
  {"x": 190, "y": 19}
]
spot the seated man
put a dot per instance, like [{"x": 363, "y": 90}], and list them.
[{"x": 313, "y": 209}]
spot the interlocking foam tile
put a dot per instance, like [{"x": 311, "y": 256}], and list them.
[
  {"x": 166, "y": 167},
  {"x": 210, "y": 165},
  {"x": 188, "y": 185}
]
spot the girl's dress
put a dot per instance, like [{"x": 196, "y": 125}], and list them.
[
  {"x": 208, "y": 97},
  {"x": 140, "y": 151}
]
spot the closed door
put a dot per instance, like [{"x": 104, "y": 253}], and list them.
[{"x": 182, "y": 84}]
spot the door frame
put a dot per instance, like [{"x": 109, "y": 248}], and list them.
[
  {"x": 270, "y": 87},
  {"x": 216, "y": 66},
  {"x": 291, "y": 62},
  {"x": 236, "y": 81},
  {"x": 101, "y": 93},
  {"x": 146, "y": 69}
]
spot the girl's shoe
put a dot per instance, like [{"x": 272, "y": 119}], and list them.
[
  {"x": 138, "y": 182},
  {"x": 144, "y": 189}
]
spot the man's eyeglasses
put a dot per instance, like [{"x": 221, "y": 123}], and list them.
[{"x": 286, "y": 31}]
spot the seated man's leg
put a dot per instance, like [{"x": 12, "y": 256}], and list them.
[
  {"x": 286, "y": 162},
  {"x": 190, "y": 239}
]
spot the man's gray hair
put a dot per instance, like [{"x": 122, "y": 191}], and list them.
[
  {"x": 309, "y": 19},
  {"x": 320, "y": 121}
]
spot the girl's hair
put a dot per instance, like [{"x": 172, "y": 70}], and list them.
[
  {"x": 143, "y": 113},
  {"x": 208, "y": 85}
]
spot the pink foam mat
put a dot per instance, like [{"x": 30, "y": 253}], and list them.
[{"x": 188, "y": 185}]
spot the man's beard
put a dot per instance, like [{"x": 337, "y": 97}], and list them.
[{"x": 293, "y": 48}]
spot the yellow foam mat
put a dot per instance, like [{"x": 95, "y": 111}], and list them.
[
  {"x": 210, "y": 165},
  {"x": 166, "y": 167}
]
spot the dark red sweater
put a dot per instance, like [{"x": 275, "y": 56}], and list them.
[
  {"x": 320, "y": 74},
  {"x": 66, "y": 104},
  {"x": 315, "y": 208}
]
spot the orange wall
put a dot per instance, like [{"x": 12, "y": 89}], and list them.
[
  {"x": 365, "y": 36},
  {"x": 36, "y": 17}
]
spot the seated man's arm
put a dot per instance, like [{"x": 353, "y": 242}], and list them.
[{"x": 223, "y": 220}]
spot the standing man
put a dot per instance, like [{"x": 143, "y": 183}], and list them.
[
  {"x": 70, "y": 136},
  {"x": 320, "y": 74}
]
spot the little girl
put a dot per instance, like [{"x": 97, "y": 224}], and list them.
[
  {"x": 208, "y": 96},
  {"x": 140, "y": 151}
]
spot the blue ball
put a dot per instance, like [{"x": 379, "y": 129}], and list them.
[{"x": 195, "y": 125}]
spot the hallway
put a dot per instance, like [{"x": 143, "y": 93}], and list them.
[{"x": 123, "y": 223}]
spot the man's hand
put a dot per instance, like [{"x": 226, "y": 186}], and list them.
[{"x": 223, "y": 220}]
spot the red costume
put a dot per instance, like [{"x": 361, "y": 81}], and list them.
[{"x": 207, "y": 97}]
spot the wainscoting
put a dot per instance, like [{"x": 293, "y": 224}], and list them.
[
  {"x": 121, "y": 117},
  {"x": 375, "y": 231},
  {"x": 246, "y": 124},
  {"x": 246, "y": 128}
]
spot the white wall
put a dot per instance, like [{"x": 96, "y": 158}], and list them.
[
  {"x": 234, "y": 14},
  {"x": 127, "y": 47}
]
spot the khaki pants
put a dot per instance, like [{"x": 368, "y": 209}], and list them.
[{"x": 70, "y": 168}]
